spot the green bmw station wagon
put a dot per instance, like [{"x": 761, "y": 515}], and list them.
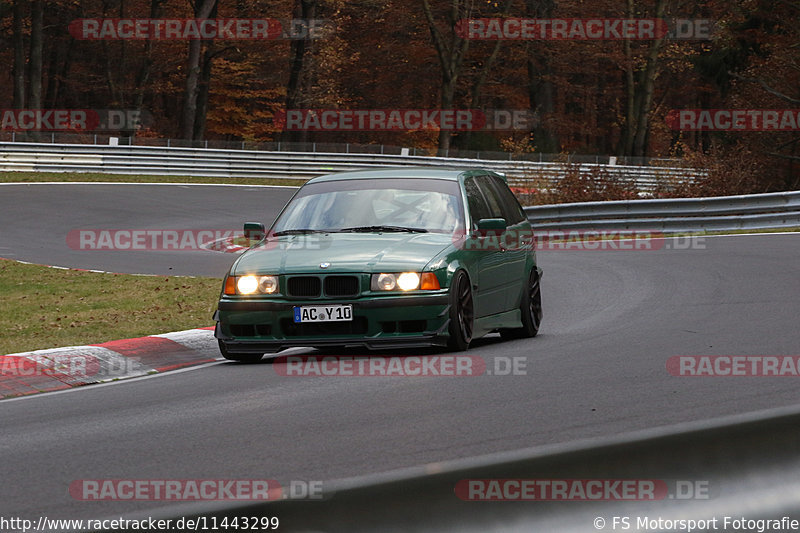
[{"x": 384, "y": 259}]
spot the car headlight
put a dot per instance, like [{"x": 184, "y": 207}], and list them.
[
  {"x": 268, "y": 284},
  {"x": 251, "y": 284},
  {"x": 385, "y": 282},
  {"x": 405, "y": 281},
  {"x": 408, "y": 281},
  {"x": 247, "y": 284}
]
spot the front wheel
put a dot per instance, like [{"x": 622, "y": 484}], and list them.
[
  {"x": 462, "y": 313},
  {"x": 241, "y": 357},
  {"x": 530, "y": 308}
]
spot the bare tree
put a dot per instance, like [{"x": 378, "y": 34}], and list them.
[
  {"x": 306, "y": 10},
  {"x": 18, "y": 70},
  {"x": 640, "y": 89},
  {"x": 540, "y": 84},
  {"x": 202, "y": 10},
  {"x": 451, "y": 50},
  {"x": 37, "y": 17}
]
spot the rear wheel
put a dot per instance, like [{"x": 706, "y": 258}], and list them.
[
  {"x": 531, "y": 310},
  {"x": 462, "y": 313},
  {"x": 241, "y": 357}
]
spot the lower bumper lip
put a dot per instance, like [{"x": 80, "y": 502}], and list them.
[
  {"x": 255, "y": 347},
  {"x": 375, "y": 303}
]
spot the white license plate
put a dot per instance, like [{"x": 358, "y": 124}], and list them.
[{"x": 323, "y": 313}]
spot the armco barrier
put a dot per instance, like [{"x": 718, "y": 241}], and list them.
[
  {"x": 721, "y": 213},
  {"x": 150, "y": 160},
  {"x": 740, "y": 467}
]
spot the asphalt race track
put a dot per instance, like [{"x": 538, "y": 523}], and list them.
[
  {"x": 612, "y": 319},
  {"x": 37, "y": 218}
]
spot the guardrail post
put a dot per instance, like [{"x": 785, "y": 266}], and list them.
[
  {"x": 53, "y": 138},
  {"x": 206, "y": 144},
  {"x": 168, "y": 143}
]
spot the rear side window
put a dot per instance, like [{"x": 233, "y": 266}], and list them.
[
  {"x": 514, "y": 212},
  {"x": 498, "y": 203},
  {"x": 477, "y": 204},
  {"x": 495, "y": 205}
]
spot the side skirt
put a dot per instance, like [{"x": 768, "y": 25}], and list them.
[{"x": 507, "y": 319}]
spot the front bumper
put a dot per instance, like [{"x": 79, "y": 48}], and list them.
[{"x": 250, "y": 326}]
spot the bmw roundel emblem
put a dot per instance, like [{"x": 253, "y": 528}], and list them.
[{"x": 324, "y": 265}]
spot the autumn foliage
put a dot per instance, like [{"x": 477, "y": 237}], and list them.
[{"x": 608, "y": 97}]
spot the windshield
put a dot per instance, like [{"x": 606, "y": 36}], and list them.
[{"x": 384, "y": 205}]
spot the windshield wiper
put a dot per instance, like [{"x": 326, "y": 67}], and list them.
[
  {"x": 367, "y": 229},
  {"x": 299, "y": 232}
]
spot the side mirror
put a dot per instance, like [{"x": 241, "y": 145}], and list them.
[
  {"x": 254, "y": 231},
  {"x": 492, "y": 224}
]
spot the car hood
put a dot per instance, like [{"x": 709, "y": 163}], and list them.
[{"x": 345, "y": 252}]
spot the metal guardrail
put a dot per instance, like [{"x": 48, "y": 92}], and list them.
[
  {"x": 149, "y": 160},
  {"x": 721, "y": 213},
  {"x": 742, "y": 467},
  {"x": 328, "y": 147}
]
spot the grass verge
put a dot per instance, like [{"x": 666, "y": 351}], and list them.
[
  {"x": 45, "y": 307},
  {"x": 29, "y": 177}
]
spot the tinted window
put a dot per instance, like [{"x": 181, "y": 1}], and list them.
[
  {"x": 477, "y": 204},
  {"x": 492, "y": 198},
  {"x": 514, "y": 212}
]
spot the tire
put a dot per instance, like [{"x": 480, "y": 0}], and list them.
[
  {"x": 462, "y": 313},
  {"x": 530, "y": 308},
  {"x": 241, "y": 357}
]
